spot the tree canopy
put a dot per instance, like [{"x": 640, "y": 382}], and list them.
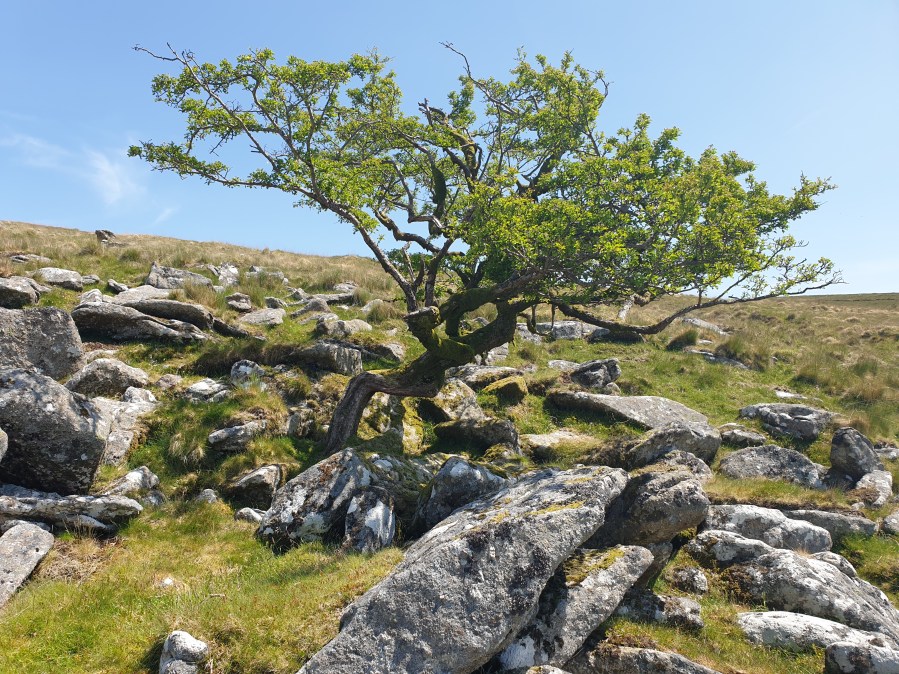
[{"x": 509, "y": 193}]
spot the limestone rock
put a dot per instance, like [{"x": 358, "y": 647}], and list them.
[
  {"x": 124, "y": 418},
  {"x": 736, "y": 435},
  {"x": 56, "y": 438},
  {"x": 580, "y": 596},
  {"x": 646, "y": 411},
  {"x": 106, "y": 320},
  {"x": 170, "y": 278},
  {"x": 64, "y": 278},
  {"x": 67, "y": 512},
  {"x": 106, "y": 377},
  {"x": 207, "y": 390},
  {"x": 370, "y": 521},
  {"x": 235, "y": 438},
  {"x": 44, "y": 339},
  {"x": 770, "y": 526},
  {"x": 186, "y": 312},
  {"x": 182, "y": 654},
  {"x": 772, "y": 463},
  {"x": 610, "y": 659},
  {"x": 19, "y": 291},
  {"x": 853, "y": 454},
  {"x": 457, "y": 483},
  {"x": 135, "y": 481},
  {"x": 485, "y": 565},
  {"x": 571, "y": 330},
  {"x": 890, "y": 522},
  {"x": 796, "y": 421},
  {"x": 838, "y": 524},
  {"x": 874, "y": 489},
  {"x": 22, "y": 548},
  {"x": 240, "y": 302},
  {"x": 701, "y": 440},
  {"x": 713, "y": 548},
  {"x": 251, "y": 515},
  {"x": 838, "y": 561},
  {"x": 798, "y": 632},
  {"x": 332, "y": 357},
  {"x": 849, "y": 658},
  {"x": 405, "y": 478},
  {"x": 264, "y": 317},
  {"x": 340, "y": 329},
  {"x": 257, "y": 487}
]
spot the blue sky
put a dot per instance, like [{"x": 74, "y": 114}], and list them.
[{"x": 795, "y": 86}]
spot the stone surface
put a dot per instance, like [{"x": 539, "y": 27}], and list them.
[
  {"x": 596, "y": 374},
  {"x": 310, "y": 505},
  {"x": 478, "y": 376},
  {"x": 139, "y": 294},
  {"x": 133, "y": 482},
  {"x": 853, "y": 454},
  {"x": 240, "y": 302},
  {"x": 186, "y": 312},
  {"x": 340, "y": 329},
  {"x": 182, "y": 654},
  {"x": 646, "y": 411},
  {"x": 64, "y": 278},
  {"x": 485, "y": 565},
  {"x": 170, "y": 278},
  {"x": 482, "y": 433},
  {"x": 251, "y": 515},
  {"x": 703, "y": 325},
  {"x": 105, "y": 320},
  {"x": 67, "y": 512},
  {"x": 56, "y": 438},
  {"x": 332, "y": 357},
  {"x": 511, "y": 389},
  {"x": 542, "y": 446},
  {"x": 257, "y": 487},
  {"x": 207, "y": 390},
  {"x": 245, "y": 373},
  {"x": 770, "y": 526},
  {"x": 370, "y": 521},
  {"x": 701, "y": 440},
  {"x": 644, "y": 605},
  {"x": 44, "y": 339},
  {"x": 235, "y": 438},
  {"x": 849, "y": 658},
  {"x": 264, "y": 317},
  {"x": 796, "y": 421},
  {"x": 771, "y": 463},
  {"x": 580, "y": 596},
  {"x": 739, "y": 436},
  {"x": 689, "y": 579},
  {"x": 456, "y": 400},
  {"x": 22, "y": 548},
  {"x": 106, "y": 377},
  {"x": 610, "y": 659},
  {"x": 571, "y": 330},
  {"x": 838, "y": 561},
  {"x": 890, "y": 522},
  {"x": 19, "y": 291},
  {"x": 838, "y": 524},
  {"x": 713, "y": 548},
  {"x": 797, "y": 632},
  {"x": 684, "y": 461},
  {"x": 874, "y": 489},
  {"x": 457, "y": 483},
  {"x": 124, "y": 419}
]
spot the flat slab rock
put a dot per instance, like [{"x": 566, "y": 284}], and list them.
[
  {"x": 771, "y": 462},
  {"x": 68, "y": 512},
  {"x": 610, "y": 659},
  {"x": 44, "y": 339},
  {"x": 485, "y": 565},
  {"x": 796, "y": 421},
  {"x": 799, "y": 632},
  {"x": 770, "y": 526},
  {"x": 848, "y": 658},
  {"x": 646, "y": 411},
  {"x": 21, "y": 549}
]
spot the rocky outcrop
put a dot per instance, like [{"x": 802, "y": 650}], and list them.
[
  {"x": 645, "y": 411},
  {"x": 370, "y": 521},
  {"x": 798, "y": 632},
  {"x": 796, "y": 421},
  {"x": 482, "y": 433},
  {"x": 485, "y": 565},
  {"x": 736, "y": 435},
  {"x": 235, "y": 438},
  {"x": 64, "y": 278},
  {"x": 596, "y": 374},
  {"x": 456, "y": 400},
  {"x": 713, "y": 548},
  {"x": 170, "y": 278},
  {"x": 256, "y": 488},
  {"x": 853, "y": 454},
  {"x": 850, "y": 658},
  {"x": 772, "y": 463},
  {"x": 20, "y": 291},
  {"x": 340, "y": 329},
  {"x": 106, "y": 377},
  {"x": 95, "y": 514},
  {"x": 45, "y": 339},
  {"x": 182, "y": 654},
  {"x": 874, "y": 489},
  {"x": 56, "y": 438},
  {"x": 457, "y": 483},
  {"x": 839, "y": 525},
  {"x": 207, "y": 391},
  {"x": 610, "y": 659},
  {"x": 701, "y": 440},
  {"x": 125, "y": 420},
  {"x": 644, "y": 605},
  {"x": 331, "y": 357},
  {"x": 478, "y": 376},
  {"x": 21, "y": 549},
  {"x": 186, "y": 312},
  {"x": 582, "y": 593},
  {"x": 105, "y": 320},
  {"x": 134, "y": 482},
  {"x": 264, "y": 317},
  {"x": 770, "y": 526}
]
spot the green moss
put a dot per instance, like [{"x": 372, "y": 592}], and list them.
[{"x": 583, "y": 563}]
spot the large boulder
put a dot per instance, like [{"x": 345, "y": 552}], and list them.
[
  {"x": 485, "y": 566},
  {"x": 263, "y": 317},
  {"x": 186, "y": 312},
  {"x": 798, "y": 632},
  {"x": 596, "y": 374},
  {"x": 170, "y": 278},
  {"x": 771, "y": 463},
  {"x": 64, "y": 278},
  {"x": 701, "y": 440},
  {"x": 256, "y": 488},
  {"x": 107, "y": 377},
  {"x": 482, "y": 433},
  {"x": 19, "y": 291},
  {"x": 330, "y": 356},
  {"x": 140, "y": 294},
  {"x": 457, "y": 483},
  {"x": 370, "y": 521},
  {"x": 770, "y": 526},
  {"x": 580, "y": 596},
  {"x": 610, "y": 659},
  {"x": 56, "y": 438},
  {"x": 796, "y": 421},
  {"x": 713, "y": 548},
  {"x": 105, "y": 320},
  {"x": 21, "y": 549},
  {"x": 571, "y": 330},
  {"x": 853, "y": 454},
  {"x": 182, "y": 654},
  {"x": 839, "y": 525},
  {"x": 44, "y": 339},
  {"x": 645, "y": 411},
  {"x": 99, "y": 514},
  {"x": 339, "y": 329},
  {"x": 851, "y": 658},
  {"x": 455, "y": 400},
  {"x": 311, "y": 505}
]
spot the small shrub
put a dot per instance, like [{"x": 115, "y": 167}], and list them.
[
  {"x": 383, "y": 311},
  {"x": 737, "y": 347},
  {"x": 130, "y": 255},
  {"x": 687, "y": 338},
  {"x": 361, "y": 297}
]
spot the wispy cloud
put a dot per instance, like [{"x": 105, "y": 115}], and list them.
[
  {"x": 111, "y": 178},
  {"x": 36, "y": 152},
  {"x": 164, "y": 215}
]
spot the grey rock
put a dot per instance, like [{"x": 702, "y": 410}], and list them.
[
  {"x": 851, "y": 658},
  {"x": 240, "y": 302},
  {"x": 235, "y": 438},
  {"x": 140, "y": 293},
  {"x": 689, "y": 579},
  {"x": 4, "y": 443},
  {"x": 797, "y": 632},
  {"x": 106, "y": 377},
  {"x": 314, "y": 305},
  {"x": 90, "y": 279},
  {"x": 570, "y": 330},
  {"x": 784, "y": 580},
  {"x": 134, "y": 394},
  {"x": 875, "y": 488},
  {"x": 580, "y": 596},
  {"x": 331, "y": 357},
  {"x": 25, "y": 258},
  {"x": 170, "y": 278},
  {"x": 22, "y": 548},
  {"x": 796, "y": 421},
  {"x": 770, "y": 526},
  {"x": 275, "y": 303},
  {"x": 228, "y": 274},
  {"x": 264, "y": 317},
  {"x": 596, "y": 373},
  {"x": 483, "y": 433},
  {"x": 207, "y": 496},
  {"x": 405, "y": 478},
  {"x": 19, "y": 291},
  {"x": 838, "y": 524},
  {"x": 644, "y": 605},
  {"x": 686, "y": 462},
  {"x": 167, "y": 382},
  {"x": 6, "y": 525},
  {"x": 542, "y": 446},
  {"x": 389, "y": 350},
  {"x": 713, "y": 548},
  {"x": 125, "y": 421},
  {"x": 182, "y": 654},
  {"x": 64, "y": 278},
  {"x": 370, "y": 521},
  {"x": 479, "y": 376},
  {"x": 251, "y": 515},
  {"x": 717, "y": 359},
  {"x": 135, "y": 481},
  {"x": 56, "y": 438},
  {"x": 44, "y": 339},
  {"x": 736, "y": 435},
  {"x": 455, "y": 400},
  {"x": 701, "y": 440},
  {"x": 301, "y": 422},
  {"x": 257, "y": 487},
  {"x": 246, "y": 372},
  {"x": 522, "y": 333},
  {"x": 838, "y": 561},
  {"x": 485, "y": 565},
  {"x": 645, "y": 411},
  {"x": 703, "y": 325},
  {"x": 610, "y": 659},
  {"x": 340, "y": 329},
  {"x": 228, "y": 330},
  {"x": 67, "y": 512},
  {"x": 772, "y": 463},
  {"x": 186, "y": 312},
  {"x": 853, "y": 454},
  {"x": 457, "y": 483},
  {"x": 115, "y": 286},
  {"x": 562, "y": 365},
  {"x": 105, "y": 320},
  {"x": 93, "y": 296},
  {"x": 310, "y": 505},
  {"x": 207, "y": 391},
  {"x": 890, "y": 523}
]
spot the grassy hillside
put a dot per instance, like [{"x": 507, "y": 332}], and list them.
[{"x": 105, "y": 606}]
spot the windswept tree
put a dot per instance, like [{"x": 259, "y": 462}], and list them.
[{"x": 508, "y": 194}]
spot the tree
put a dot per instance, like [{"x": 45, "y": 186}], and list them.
[{"x": 509, "y": 195}]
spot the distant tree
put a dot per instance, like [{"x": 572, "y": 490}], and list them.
[{"x": 509, "y": 195}]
